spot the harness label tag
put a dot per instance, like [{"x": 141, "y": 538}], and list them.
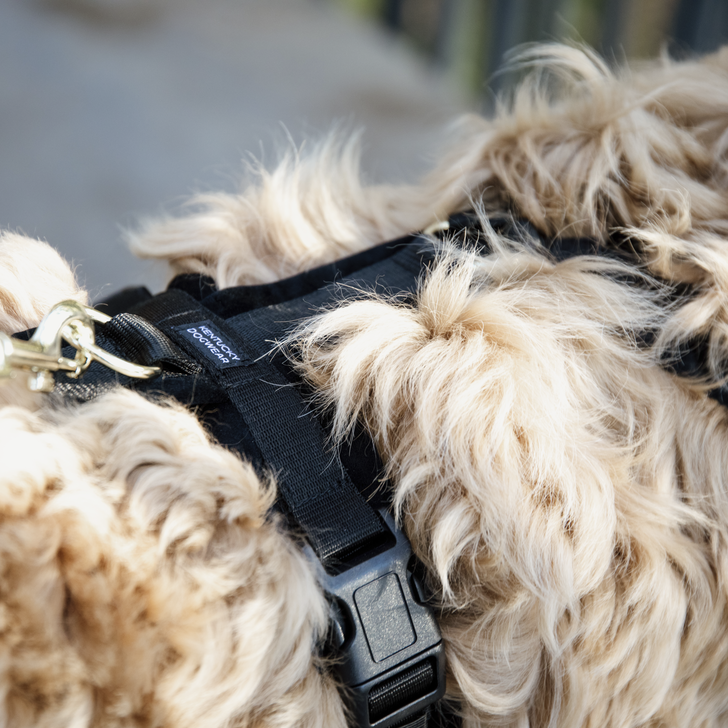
[{"x": 212, "y": 343}]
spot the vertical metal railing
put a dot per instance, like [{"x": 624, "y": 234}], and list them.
[{"x": 471, "y": 39}]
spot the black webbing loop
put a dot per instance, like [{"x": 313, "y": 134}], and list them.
[
  {"x": 313, "y": 485},
  {"x": 135, "y": 339},
  {"x": 144, "y": 343}
]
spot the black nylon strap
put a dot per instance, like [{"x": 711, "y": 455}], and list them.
[
  {"x": 314, "y": 487},
  {"x": 335, "y": 506},
  {"x": 135, "y": 339},
  {"x": 689, "y": 360},
  {"x": 272, "y": 323}
]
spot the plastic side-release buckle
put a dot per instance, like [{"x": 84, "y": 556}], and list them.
[{"x": 385, "y": 637}]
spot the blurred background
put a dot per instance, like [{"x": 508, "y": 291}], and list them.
[{"x": 116, "y": 110}]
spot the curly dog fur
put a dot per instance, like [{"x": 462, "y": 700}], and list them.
[{"x": 567, "y": 494}]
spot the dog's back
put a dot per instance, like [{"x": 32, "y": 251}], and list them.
[{"x": 563, "y": 487}]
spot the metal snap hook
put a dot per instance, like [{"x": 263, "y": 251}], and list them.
[{"x": 41, "y": 356}]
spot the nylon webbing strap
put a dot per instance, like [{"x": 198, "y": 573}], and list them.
[
  {"x": 134, "y": 338},
  {"x": 312, "y": 483},
  {"x": 398, "y": 274},
  {"x": 314, "y": 486}
]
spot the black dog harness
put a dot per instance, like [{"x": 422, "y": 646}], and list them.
[{"x": 216, "y": 352}]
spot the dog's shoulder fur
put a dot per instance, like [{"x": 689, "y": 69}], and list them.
[{"x": 567, "y": 494}]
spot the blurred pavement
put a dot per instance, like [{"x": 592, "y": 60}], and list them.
[{"x": 114, "y": 110}]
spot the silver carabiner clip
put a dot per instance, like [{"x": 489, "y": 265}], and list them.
[{"x": 41, "y": 356}]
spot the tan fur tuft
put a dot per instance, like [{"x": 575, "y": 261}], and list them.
[
  {"x": 539, "y": 462},
  {"x": 33, "y": 277},
  {"x": 310, "y": 210},
  {"x": 143, "y": 584}
]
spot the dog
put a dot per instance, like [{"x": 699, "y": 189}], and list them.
[{"x": 564, "y": 486}]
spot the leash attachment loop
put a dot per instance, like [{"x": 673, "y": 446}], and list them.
[{"x": 42, "y": 356}]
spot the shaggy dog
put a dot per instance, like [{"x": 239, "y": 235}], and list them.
[{"x": 566, "y": 492}]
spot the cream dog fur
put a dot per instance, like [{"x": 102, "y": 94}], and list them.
[{"x": 568, "y": 495}]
